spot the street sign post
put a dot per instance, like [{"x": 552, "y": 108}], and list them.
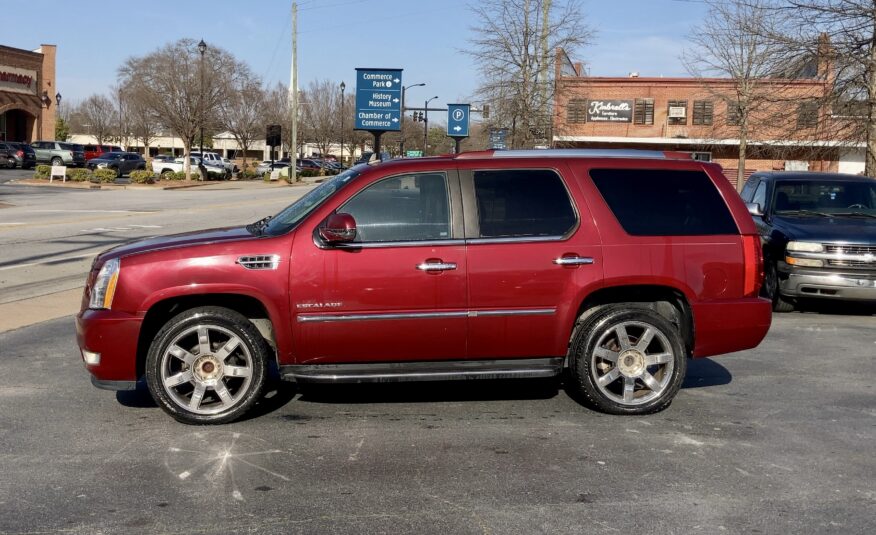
[
  {"x": 458, "y": 122},
  {"x": 378, "y": 102}
]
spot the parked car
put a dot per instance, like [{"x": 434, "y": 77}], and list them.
[
  {"x": 6, "y": 158},
  {"x": 212, "y": 158},
  {"x": 163, "y": 158},
  {"x": 165, "y": 168},
  {"x": 59, "y": 153},
  {"x": 120, "y": 162},
  {"x": 94, "y": 151},
  {"x": 22, "y": 154},
  {"x": 308, "y": 164},
  {"x": 614, "y": 265},
  {"x": 366, "y": 157},
  {"x": 265, "y": 167},
  {"x": 819, "y": 236}
]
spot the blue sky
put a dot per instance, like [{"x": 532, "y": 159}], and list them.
[{"x": 423, "y": 37}]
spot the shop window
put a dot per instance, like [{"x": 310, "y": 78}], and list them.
[
  {"x": 643, "y": 112},
  {"x": 677, "y": 112},
  {"x": 576, "y": 112},
  {"x": 734, "y": 115},
  {"x": 807, "y": 114},
  {"x": 703, "y": 112}
]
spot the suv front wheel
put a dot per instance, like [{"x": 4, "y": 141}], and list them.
[
  {"x": 627, "y": 359},
  {"x": 207, "y": 366}
]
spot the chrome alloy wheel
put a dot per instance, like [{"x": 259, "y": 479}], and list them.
[
  {"x": 206, "y": 369},
  {"x": 632, "y": 363}
]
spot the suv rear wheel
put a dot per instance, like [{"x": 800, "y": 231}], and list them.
[
  {"x": 207, "y": 366},
  {"x": 627, "y": 359}
]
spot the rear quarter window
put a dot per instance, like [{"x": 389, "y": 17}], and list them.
[{"x": 662, "y": 202}]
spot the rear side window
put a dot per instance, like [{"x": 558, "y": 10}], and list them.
[
  {"x": 522, "y": 203},
  {"x": 650, "y": 202}
]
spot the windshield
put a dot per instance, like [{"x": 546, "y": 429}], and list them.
[
  {"x": 295, "y": 212},
  {"x": 825, "y": 198}
]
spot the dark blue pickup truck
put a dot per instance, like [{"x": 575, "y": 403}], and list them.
[{"x": 819, "y": 235}]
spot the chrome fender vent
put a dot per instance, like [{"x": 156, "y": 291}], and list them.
[{"x": 259, "y": 261}]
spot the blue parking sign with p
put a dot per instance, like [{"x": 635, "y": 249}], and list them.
[{"x": 457, "y": 119}]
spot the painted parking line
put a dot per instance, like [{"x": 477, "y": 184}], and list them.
[
  {"x": 51, "y": 261},
  {"x": 11, "y": 224},
  {"x": 66, "y": 211}
]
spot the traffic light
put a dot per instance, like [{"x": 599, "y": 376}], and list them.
[
  {"x": 485, "y": 113},
  {"x": 418, "y": 116}
]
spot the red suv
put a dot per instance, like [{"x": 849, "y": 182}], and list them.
[{"x": 615, "y": 266}]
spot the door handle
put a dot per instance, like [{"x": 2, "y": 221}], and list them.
[
  {"x": 436, "y": 266},
  {"x": 573, "y": 261}
]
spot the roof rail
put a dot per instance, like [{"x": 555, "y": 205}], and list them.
[{"x": 575, "y": 153}]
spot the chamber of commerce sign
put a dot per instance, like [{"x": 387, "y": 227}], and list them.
[
  {"x": 609, "y": 111},
  {"x": 17, "y": 80}
]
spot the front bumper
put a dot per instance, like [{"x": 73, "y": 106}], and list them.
[
  {"x": 114, "y": 335},
  {"x": 826, "y": 284}
]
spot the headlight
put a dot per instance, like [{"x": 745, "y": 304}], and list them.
[
  {"x": 104, "y": 287},
  {"x": 101, "y": 165},
  {"x": 805, "y": 247}
]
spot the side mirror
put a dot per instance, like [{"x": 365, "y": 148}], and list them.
[
  {"x": 339, "y": 228},
  {"x": 754, "y": 209}
]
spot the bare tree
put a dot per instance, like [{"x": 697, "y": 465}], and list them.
[
  {"x": 97, "y": 114},
  {"x": 276, "y": 110},
  {"x": 241, "y": 112},
  {"x": 141, "y": 120},
  {"x": 169, "y": 83},
  {"x": 843, "y": 31},
  {"x": 512, "y": 45},
  {"x": 732, "y": 42},
  {"x": 321, "y": 113}
]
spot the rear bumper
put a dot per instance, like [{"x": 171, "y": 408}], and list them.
[
  {"x": 113, "y": 335},
  {"x": 823, "y": 284},
  {"x": 728, "y": 326}
]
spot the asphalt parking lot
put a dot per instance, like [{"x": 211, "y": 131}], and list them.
[{"x": 778, "y": 439}]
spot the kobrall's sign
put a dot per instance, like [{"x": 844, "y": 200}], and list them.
[
  {"x": 15, "y": 80},
  {"x": 609, "y": 111}
]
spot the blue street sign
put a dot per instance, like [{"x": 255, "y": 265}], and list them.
[
  {"x": 457, "y": 119},
  {"x": 378, "y": 99}
]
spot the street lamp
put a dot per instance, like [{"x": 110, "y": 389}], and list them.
[
  {"x": 426, "y": 123},
  {"x": 343, "y": 86},
  {"x": 401, "y": 144},
  {"x": 202, "y": 47}
]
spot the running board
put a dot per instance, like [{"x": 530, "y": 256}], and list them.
[{"x": 393, "y": 372}]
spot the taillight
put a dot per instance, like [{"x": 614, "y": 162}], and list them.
[{"x": 753, "y": 272}]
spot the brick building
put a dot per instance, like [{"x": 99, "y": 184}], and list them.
[
  {"x": 27, "y": 93},
  {"x": 792, "y": 131}
]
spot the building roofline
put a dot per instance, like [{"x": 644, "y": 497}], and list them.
[
  {"x": 680, "y": 80},
  {"x": 706, "y": 141},
  {"x": 13, "y": 50}
]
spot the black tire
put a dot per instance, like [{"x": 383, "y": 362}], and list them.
[
  {"x": 196, "y": 371},
  {"x": 631, "y": 365},
  {"x": 166, "y": 173},
  {"x": 57, "y": 161},
  {"x": 770, "y": 289}
]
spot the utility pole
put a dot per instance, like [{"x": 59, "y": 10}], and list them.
[
  {"x": 426, "y": 124},
  {"x": 293, "y": 89},
  {"x": 401, "y": 126}
]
